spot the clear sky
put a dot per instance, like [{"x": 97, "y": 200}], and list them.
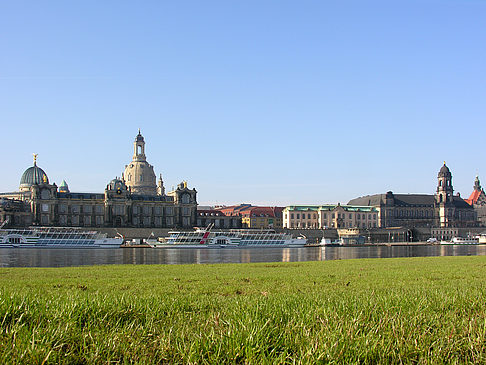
[{"x": 264, "y": 102}]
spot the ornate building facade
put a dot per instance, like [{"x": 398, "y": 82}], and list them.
[
  {"x": 443, "y": 209},
  {"x": 134, "y": 200},
  {"x": 477, "y": 200},
  {"x": 330, "y": 216}
]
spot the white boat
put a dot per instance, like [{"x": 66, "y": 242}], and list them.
[
  {"x": 205, "y": 238},
  {"x": 330, "y": 243},
  {"x": 58, "y": 237},
  {"x": 461, "y": 241}
]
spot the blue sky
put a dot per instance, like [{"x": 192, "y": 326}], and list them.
[{"x": 264, "y": 102}]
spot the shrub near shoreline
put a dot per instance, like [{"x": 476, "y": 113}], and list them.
[{"x": 412, "y": 310}]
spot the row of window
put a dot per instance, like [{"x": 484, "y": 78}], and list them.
[
  {"x": 117, "y": 209},
  {"x": 77, "y": 220},
  {"x": 414, "y": 213},
  {"x": 87, "y": 220},
  {"x": 120, "y": 210},
  {"x": 130, "y": 177},
  {"x": 259, "y": 220},
  {"x": 333, "y": 216},
  {"x": 98, "y": 209},
  {"x": 332, "y": 225},
  {"x": 430, "y": 214},
  {"x": 218, "y": 223}
]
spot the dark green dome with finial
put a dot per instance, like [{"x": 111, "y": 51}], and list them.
[
  {"x": 32, "y": 176},
  {"x": 444, "y": 171}
]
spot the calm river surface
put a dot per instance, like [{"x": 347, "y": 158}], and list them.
[{"x": 33, "y": 257}]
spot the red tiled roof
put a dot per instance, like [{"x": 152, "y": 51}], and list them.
[
  {"x": 273, "y": 212},
  {"x": 246, "y": 210},
  {"x": 473, "y": 198},
  {"x": 234, "y": 209}
]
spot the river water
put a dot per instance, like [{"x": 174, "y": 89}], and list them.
[{"x": 42, "y": 257}]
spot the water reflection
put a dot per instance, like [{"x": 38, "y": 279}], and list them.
[{"x": 15, "y": 257}]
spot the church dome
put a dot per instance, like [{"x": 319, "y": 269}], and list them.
[
  {"x": 139, "y": 175},
  {"x": 444, "y": 171},
  {"x": 32, "y": 176},
  {"x": 116, "y": 184}
]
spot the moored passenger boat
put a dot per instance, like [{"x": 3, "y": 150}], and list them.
[
  {"x": 205, "y": 238},
  {"x": 461, "y": 241},
  {"x": 330, "y": 243},
  {"x": 58, "y": 237}
]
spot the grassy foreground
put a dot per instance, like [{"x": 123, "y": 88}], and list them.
[{"x": 419, "y": 310}]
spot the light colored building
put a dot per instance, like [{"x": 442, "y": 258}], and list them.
[
  {"x": 136, "y": 202},
  {"x": 330, "y": 216},
  {"x": 262, "y": 217}
]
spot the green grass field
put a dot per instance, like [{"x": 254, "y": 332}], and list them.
[{"x": 412, "y": 310}]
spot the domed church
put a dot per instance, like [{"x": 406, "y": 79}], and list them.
[
  {"x": 33, "y": 176},
  {"x": 139, "y": 174},
  {"x": 134, "y": 200}
]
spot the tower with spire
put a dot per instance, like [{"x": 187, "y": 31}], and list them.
[
  {"x": 139, "y": 175},
  {"x": 160, "y": 186},
  {"x": 444, "y": 196},
  {"x": 445, "y": 189}
]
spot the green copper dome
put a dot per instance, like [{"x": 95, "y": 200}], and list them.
[
  {"x": 64, "y": 188},
  {"x": 32, "y": 176}
]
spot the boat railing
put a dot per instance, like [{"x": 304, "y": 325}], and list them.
[
  {"x": 55, "y": 232},
  {"x": 258, "y": 237}
]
